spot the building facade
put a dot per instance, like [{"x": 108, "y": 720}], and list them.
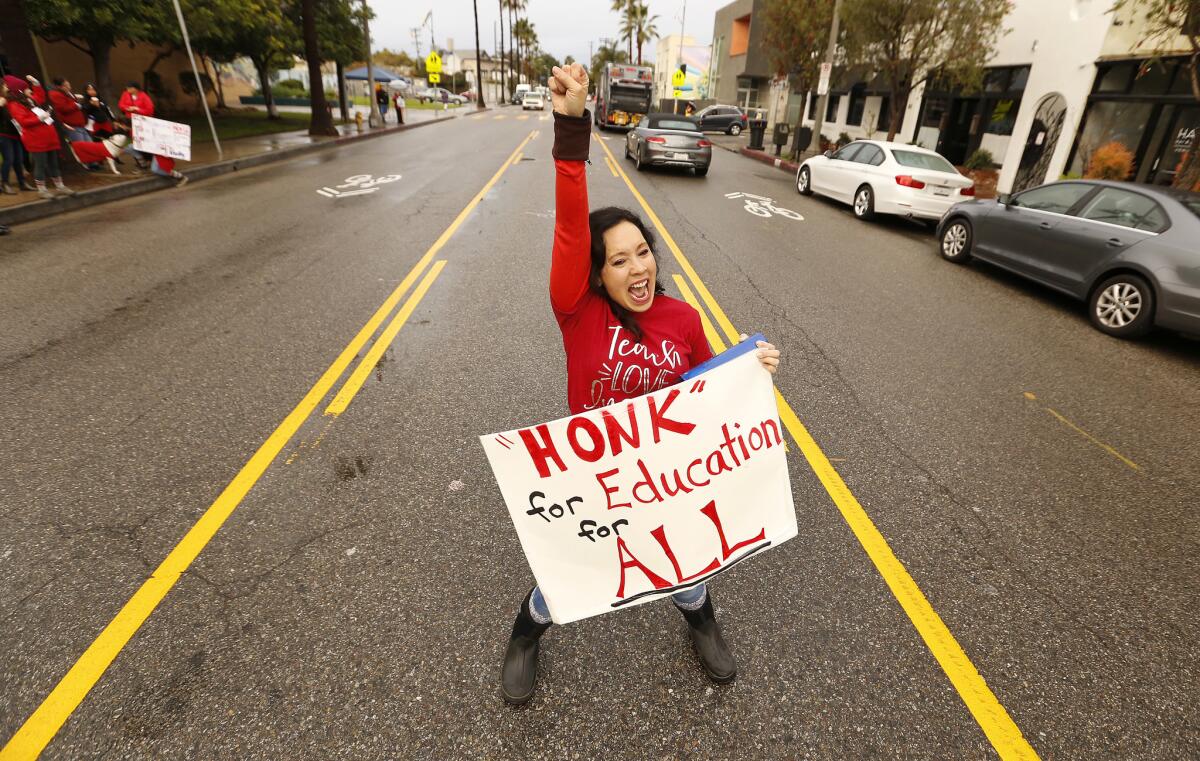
[
  {"x": 1064, "y": 78},
  {"x": 741, "y": 70}
]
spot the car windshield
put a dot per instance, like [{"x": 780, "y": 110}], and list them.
[
  {"x": 673, "y": 124},
  {"x": 917, "y": 160}
]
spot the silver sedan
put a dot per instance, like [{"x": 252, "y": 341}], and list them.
[
  {"x": 1131, "y": 252},
  {"x": 668, "y": 140}
]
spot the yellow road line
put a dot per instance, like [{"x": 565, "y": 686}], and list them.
[
  {"x": 500, "y": 116},
  {"x": 544, "y": 117},
  {"x": 995, "y": 722},
  {"x": 41, "y": 726},
  {"x": 522, "y": 117},
  {"x": 609, "y": 163},
  {"x": 346, "y": 395},
  {"x": 1094, "y": 440}
]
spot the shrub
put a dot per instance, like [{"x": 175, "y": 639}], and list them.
[
  {"x": 1111, "y": 161},
  {"x": 980, "y": 159},
  {"x": 843, "y": 139}
]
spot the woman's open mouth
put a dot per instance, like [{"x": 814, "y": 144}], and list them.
[{"x": 640, "y": 293}]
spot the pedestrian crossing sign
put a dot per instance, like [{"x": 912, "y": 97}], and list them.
[
  {"x": 435, "y": 78},
  {"x": 433, "y": 63}
]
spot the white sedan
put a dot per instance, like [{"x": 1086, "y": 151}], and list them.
[{"x": 877, "y": 177}]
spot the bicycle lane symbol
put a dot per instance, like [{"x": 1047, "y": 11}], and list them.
[
  {"x": 358, "y": 185},
  {"x": 761, "y": 206}
]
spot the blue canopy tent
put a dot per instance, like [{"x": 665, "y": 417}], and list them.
[{"x": 381, "y": 74}]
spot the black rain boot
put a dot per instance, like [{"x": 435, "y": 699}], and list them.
[
  {"x": 520, "y": 662},
  {"x": 710, "y": 646}
]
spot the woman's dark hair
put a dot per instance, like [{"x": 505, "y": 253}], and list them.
[{"x": 600, "y": 221}]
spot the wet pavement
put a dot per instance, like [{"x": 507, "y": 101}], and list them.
[{"x": 357, "y": 601}]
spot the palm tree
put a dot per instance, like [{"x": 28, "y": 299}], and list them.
[
  {"x": 643, "y": 28},
  {"x": 622, "y": 7},
  {"x": 503, "y": 69},
  {"x": 515, "y": 7},
  {"x": 478, "y": 59},
  {"x": 527, "y": 40},
  {"x": 604, "y": 56}
]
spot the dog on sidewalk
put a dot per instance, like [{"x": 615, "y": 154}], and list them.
[{"x": 105, "y": 151}]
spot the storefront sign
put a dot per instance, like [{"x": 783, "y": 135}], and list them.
[
  {"x": 625, "y": 504},
  {"x": 823, "y": 82}
]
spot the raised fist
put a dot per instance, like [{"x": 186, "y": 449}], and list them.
[{"x": 568, "y": 89}]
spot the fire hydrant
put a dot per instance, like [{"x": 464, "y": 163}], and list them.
[{"x": 358, "y": 120}]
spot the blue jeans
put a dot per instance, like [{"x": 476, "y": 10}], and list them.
[
  {"x": 689, "y": 599},
  {"x": 78, "y": 135}
]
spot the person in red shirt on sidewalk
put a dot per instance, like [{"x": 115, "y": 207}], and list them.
[
  {"x": 135, "y": 102},
  {"x": 68, "y": 112},
  {"x": 38, "y": 136},
  {"x": 606, "y": 297}
]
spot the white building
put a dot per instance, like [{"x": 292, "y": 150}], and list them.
[
  {"x": 667, "y": 57},
  {"x": 1066, "y": 77}
]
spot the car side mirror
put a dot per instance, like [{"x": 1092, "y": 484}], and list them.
[
  {"x": 828, "y": 154},
  {"x": 1005, "y": 199}
]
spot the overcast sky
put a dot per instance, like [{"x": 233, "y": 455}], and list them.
[{"x": 564, "y": 27}]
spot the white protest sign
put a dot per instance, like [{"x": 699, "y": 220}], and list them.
[
  {"x": 162, "y": 138},
  {"x": 625, "y": 504}
]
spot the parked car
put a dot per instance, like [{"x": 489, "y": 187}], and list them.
[
  {"x": 434, "y": 95},
  {"x": 728, "y": 119},
  {"x": 533, "y": 100},
  {"x": 668, "y": 139},
  {"x": 877, "y": 177},
  {"x": 1132, "y": 252}
]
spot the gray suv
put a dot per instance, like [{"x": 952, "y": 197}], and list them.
[{"x": 729, "y": 119}]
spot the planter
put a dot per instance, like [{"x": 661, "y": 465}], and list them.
[{"x": 985, "y": 181}]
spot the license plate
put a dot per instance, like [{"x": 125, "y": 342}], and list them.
[
  {"x": 941, "y": 191},
  {"x": 680, "y": 156}
]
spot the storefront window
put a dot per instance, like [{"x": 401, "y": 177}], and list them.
[
  {"x": 1004, "y": 116},
  {"x": 854, "y": 116},
  {"x": 934, "y": 109},
  {"x": 885, "y": 113},
  {"x": 832, "y": 109},
  {"x": 996, "y": 80},
  {"x": 812, "y": 105},
  {"x": 1152, "y": 78},
  {"x": 1019, "y": 77},
  {"x": 1114, "y": 77},
  {"x": 1110, "y": 121},
  {"x": 1183, "y": 80}
]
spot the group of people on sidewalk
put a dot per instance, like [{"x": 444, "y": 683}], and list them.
[
  {"x": 36, "y": 124},
  {"x": 397, "y": 98}
]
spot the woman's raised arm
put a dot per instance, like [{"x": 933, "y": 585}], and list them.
[{"x": 570, "y": 264}]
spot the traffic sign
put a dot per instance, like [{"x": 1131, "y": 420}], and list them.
[
  {"x": 823, "y": 84},
  {"x": 678, "y": 78},
  {"x": 434, "y": 78},
  {"x": 433, "y": 63}
]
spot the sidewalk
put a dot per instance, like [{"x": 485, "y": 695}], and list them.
[{"x": 103, "y": 186}]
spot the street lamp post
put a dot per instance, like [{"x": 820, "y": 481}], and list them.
[
  {"x": 822, "y": 104},
  {"x": 376, "y": 118}
]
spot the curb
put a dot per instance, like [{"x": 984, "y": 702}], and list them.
[
  {"x": 787, "y": 166},
  {"x": 28, "y": 212}
]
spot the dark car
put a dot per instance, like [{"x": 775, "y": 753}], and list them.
[
  {"x": 1132, "y": 252},
  {"x": 668, "y": 139},
  {"x": 729, "y": 119}
]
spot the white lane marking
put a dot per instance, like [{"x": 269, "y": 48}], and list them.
[{"x": 761, "y": 206}]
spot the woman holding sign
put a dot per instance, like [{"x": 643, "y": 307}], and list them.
[{"x": 623, "y": 338}]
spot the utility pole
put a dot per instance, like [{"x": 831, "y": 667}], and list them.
[
  {"x": 823, "y": 103},
  {"x": 376, "y": 119},
  {"x": 416, "y": 35},
  {"x": 478, "y": 60}
]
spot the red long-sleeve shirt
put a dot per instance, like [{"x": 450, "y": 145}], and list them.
[
  {"x": 606, "y": 363},
  {"x": 66, "y": 109}
]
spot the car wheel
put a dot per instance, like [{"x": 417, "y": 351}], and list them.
[
  {"x": 1122, "y": 306},
  {"x": 701, "y": 171},
  {"x": 864, "y": 203},
  {"x": 628, "y": 155},
  {"x": 735, "y": 129},
  {"x": 804, "y": 181},
  {"x": 637, "y": 161},
  {"x": 956, "y": 241}
]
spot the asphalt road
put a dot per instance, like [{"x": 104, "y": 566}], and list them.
[{"x": 357, "y": 602}]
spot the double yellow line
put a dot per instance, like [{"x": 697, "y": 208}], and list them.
[
  {"x": 39, "y": 729},
  {"x": 995, "y": 722}
]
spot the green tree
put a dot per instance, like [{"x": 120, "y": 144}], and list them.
[
  {"x": 321, "y": 122},
  {"x": 95, "y": 27},
  {"x": 1171, "y": 26},
  {"x": 401, "y": 61},
  {"x": 911, "y": 41},
  {"x": 641, "y": 29},
  {"x": 797, "y": 33},
  {"x": 340, "y": 32},
  {"x": 605, "y": 55},
  {"x": 622, "y": 7},
  {"x": 268, "y": 37}
]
